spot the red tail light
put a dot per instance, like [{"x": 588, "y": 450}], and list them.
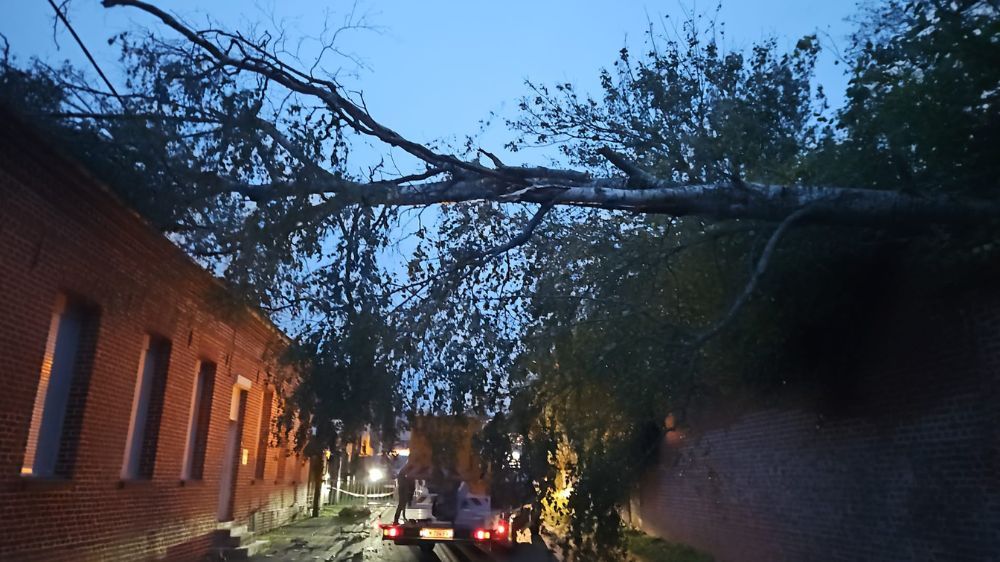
[
  {"x": 501, "y": 529},
  {"x": 481, "y": 535},
  {"x": 391, "y": 531}
]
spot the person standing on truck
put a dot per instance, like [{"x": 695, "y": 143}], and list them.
[
  {"x": 405, "y": 487},
  {"x": 445, "y": 505}
]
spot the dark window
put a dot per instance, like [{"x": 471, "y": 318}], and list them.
[
  {"x": 264, "y": 435},
  {"x": 282, "y": 458},
  {"x": 147, "y": 409},
  {"x": 60, "y": 401},
  {"x": 201, "y": 413}
]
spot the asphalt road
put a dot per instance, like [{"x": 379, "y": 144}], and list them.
[
  {"x": 377, "y": 549},
  {"x": 442, "y": 553},
  {"x": 453, "y": 553},
  {"x": 331, "y": 539}
]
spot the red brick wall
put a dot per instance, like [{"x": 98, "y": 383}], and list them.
[
  {"x": 60, "y": 233},
  {"x": 906, "y": 469}
]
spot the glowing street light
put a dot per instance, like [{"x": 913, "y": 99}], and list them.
[
  {"x": 375, "y": 474},
  {"x": 515, "y": 457}
]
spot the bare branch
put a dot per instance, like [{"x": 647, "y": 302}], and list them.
[
  {"x": 640, "y": 178},
  {"x": 751, "y": 286},
  {"x": 493, "y": 158},
  {"x": 521, "y": 238},
  {"x": 86, "y": 52},
  {"x": 284, "y": 142}
]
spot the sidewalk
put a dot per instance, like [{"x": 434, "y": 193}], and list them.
[{"x": 326, "y": 538}]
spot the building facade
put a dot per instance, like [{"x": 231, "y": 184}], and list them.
[{"x": 137, "y": 411}]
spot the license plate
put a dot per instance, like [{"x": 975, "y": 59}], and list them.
[{"x": 437, "y": 533}]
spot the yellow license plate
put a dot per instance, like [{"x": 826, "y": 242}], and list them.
[{"x": 437, "y": 533}]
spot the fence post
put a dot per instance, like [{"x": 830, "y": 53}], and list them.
[{"x": 340, "y": 465}]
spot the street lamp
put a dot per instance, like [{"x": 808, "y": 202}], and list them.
[
  {"x": 515, "y": 458},
  {"x": 375, "y": 474}
]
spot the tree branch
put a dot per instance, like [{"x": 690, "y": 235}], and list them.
[
  {"x": 520, "y": 239},
  {"x": 99, "y": 116},
  {"x": 751, "y": 286},
  {"x": 640, "y": 178},
  {"x": 471, "y": 181},
  {"x": 269, "y": 66}
]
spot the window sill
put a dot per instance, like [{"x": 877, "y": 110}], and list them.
[
  {"x": 43, "y": 484},
  {"x": 135, "y": 483}
]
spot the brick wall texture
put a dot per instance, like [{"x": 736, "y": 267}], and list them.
[
  {"x": 61, "y": 233},
  {"x": 906, "y": 468}
]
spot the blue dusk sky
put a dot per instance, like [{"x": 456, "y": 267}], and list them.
[{"x": 432, "y": 69}]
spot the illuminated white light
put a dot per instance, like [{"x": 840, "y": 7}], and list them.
[{"x": 375, "y": 474}]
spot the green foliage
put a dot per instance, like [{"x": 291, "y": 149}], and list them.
[
  {"x": 689, "y": 109},
  {"x": 614, "y": 332},
  {"x": 162, "y": 146},
  {"x": 463, "y": 320},
  {"x": 173, "y": 145},
  {"x": 601, "y": 313},
  {"x": 651, "y": 549},
  {"x": 922, "y": 106},
  {"x": 618, "y": 302}
]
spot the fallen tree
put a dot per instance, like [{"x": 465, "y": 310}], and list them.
[{"x": 449, "y": 178}]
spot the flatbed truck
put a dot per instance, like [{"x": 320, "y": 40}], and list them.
[{"x": 452, "y": 503}]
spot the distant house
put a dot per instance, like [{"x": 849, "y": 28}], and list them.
[{"x": 136, "y": 416}]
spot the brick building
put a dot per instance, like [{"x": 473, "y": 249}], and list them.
[
  {"x": 905, "y": 468},
  {"x": 136, "y": 410}
]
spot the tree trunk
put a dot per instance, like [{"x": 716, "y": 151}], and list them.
[{"x": 316, "y": 477}]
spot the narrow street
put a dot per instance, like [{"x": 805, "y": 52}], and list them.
[{"x": 329, "y": 538}]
